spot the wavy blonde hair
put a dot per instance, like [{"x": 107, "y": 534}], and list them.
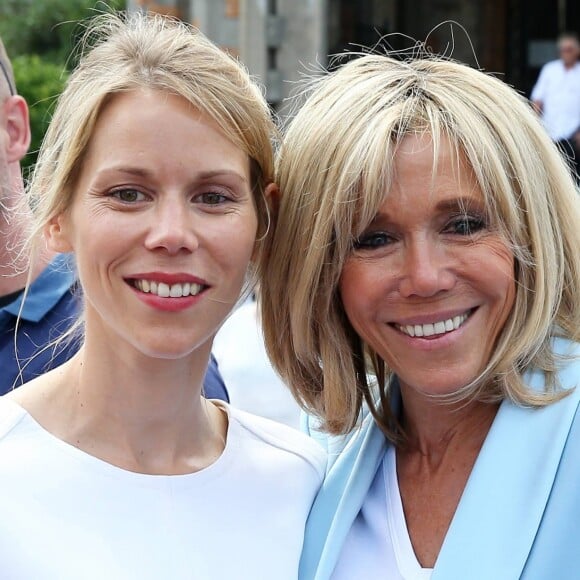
[{"x": 334, "y": 166}]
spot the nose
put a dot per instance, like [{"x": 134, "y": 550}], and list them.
[
  {"x": 172, "y": 227},
  {"x": 426, "y": 269}
]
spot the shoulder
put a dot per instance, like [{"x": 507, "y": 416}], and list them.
[
  {"x": 552, "y": 65},
  {"x": 338, "y": 445},
  {"x": 550, "y": 70},
  {"x": 283, "y": 440},
  {"x": 567, "y": 354},
  {"x": 11, "y": 415}
]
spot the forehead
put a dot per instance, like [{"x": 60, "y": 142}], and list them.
[
  {"x": 429, "y": 171},
  {"x": 143, "y": 123},
  {"x": 424, "y": 156}
]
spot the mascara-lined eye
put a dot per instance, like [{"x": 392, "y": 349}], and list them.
[
  {"x": 465, "y": 225},
  {"x": 213, "y": 198},
  {"x": 373, "y": 240}
]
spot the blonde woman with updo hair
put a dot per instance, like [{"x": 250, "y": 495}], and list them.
[
  {"x": 155, "y": 176},
  {"x": 422, "y": 301}
]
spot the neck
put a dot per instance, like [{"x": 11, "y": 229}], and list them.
[
  {"x": 435, "y": 428},
  {"x": 139, "y": 413},
  {"x": 16, "y": 269}
]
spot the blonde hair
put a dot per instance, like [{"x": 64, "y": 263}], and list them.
[
  {"x": 123, "y": 52},
  {"x": 334, "y": 166}
]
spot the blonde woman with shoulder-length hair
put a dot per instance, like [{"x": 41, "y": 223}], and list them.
[
  {"x": 155, "y": 176},
  {"x": 421, "y": 301}
]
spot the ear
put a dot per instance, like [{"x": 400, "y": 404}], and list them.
[
  {"x": 272, "y": 197},
  {"x": 17, "y": 128},
  {"x": 57, "y": 235}
]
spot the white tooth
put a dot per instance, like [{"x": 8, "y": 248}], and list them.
[
  {"x": 428, "y": 330},
  {"x": 163, "y": 290},
  {"x": 439, "y": 327},
  {"x": 175, "y": 291},
  {"x": 418, "y": 330},
  {"x": 195, "y": 289},
  {"x": 153, "y": 287},
  {"x": 185, "y": 289},
  {"x": 138, "y": 285},
  {"x": 144, "y": 285},
  {"x": 448, "y": 325},
  {"x": 410, "y": 330},
  {"x": 456, "y": 322}
]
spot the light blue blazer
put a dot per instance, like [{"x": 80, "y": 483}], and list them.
[{"x": 519, "y": 515}]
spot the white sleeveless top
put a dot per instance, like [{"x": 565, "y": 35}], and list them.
[
  {"x": 66, "y": 515},
  {"x": 378, "y": 543}
]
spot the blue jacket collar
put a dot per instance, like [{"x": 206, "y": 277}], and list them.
[
  {"x": 50, "y": 286},
  {"x": 499, "y": 513}
]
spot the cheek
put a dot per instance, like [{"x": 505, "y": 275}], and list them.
[
  {"x": 499, "y": 271},
  {"x": 234, "y": 241},
  {"x": 356, "y": 292}
]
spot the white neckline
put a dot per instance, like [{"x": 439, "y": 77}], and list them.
[
  {"x": 104, "y": 468},
  {"x": 407, "y": 562}
]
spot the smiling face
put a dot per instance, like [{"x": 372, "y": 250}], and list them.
[
  {"x": 162, "y": 225},
  {"x": 430, "y": 283}
]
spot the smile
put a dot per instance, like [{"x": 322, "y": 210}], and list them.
[
  {"x": 431, "y": 329},
  {"x": 164, "y": 290}
]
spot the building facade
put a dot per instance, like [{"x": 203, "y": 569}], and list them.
[{"x": 282, "y": 41}]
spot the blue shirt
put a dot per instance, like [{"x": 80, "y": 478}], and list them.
[{"x": 50, "y": 307}]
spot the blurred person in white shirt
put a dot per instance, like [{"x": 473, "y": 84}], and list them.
[{"x": 556, "y": 97}]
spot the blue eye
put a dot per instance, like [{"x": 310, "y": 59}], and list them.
[
  {"x": 465, "y": 225},
  {"x": 373, "y": 240}
]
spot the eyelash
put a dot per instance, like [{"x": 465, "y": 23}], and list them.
[
  {"x": 204, "y": 197},
  {"x": 116, "y": 193},
  {"x": 474, "y": 224},
  {"x": 379, "y": 239},
  {"x": 369, "y": 241}
]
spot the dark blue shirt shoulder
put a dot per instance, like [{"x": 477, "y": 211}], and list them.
[{"x": 46, "y": 312}]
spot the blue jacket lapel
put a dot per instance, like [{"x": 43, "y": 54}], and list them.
[
  {"x": 501, "y": 508},
  {"x": 340, "y": 499}
]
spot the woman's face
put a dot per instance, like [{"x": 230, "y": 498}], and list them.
[
  {"x": 162, "y": 225},
  {"x": 430, "y": 283}
]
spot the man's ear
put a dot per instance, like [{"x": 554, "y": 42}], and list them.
[
  {"x": 57, "y": 234},
  {"x": 17, "y": 128}
]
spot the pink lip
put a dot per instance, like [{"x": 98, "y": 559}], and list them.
[
  {"x": 168, "y": 304},
  {"x": 167, "y": 278},
  {"x": 432, "y": 318}
]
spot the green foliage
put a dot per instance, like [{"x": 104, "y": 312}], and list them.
[
  {"x": 39, "y": 81},
  {"x": 46, "y": 27},
  {"x": 40, "y": 36}
]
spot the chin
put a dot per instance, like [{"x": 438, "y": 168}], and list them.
[{"x": 444, "y": 387}]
